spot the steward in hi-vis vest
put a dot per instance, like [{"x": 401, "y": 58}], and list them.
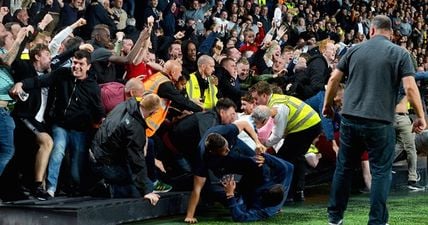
[
  {"x": 295, "y": 122},
  {"x": 209, "y": 95},
  {"x": 162, "y": 84}
]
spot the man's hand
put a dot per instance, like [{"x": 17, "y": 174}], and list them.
[
  {"x": 22, "y": 33},
  {"x": 4, "y": 11},
  {"x": 30, "y": 30},
  {"x": 260, "y": 149},
  {"x": 179, "y": 35},
  {"x": 87, "y": 47},
  {"x": 160, "y": 166},
  {"x": 80, "y": 22},
  {"x": 152, "y": 197},
  {"x": 190, "y": 220},
  {"x": 145, "y": 34},
  {"x": 259, "y": 159},
  {"x": 229, "y": 185},
  {"x": 281, "y": 31},
  {"x": 150, "y": 21},
  {"x": 327, "y": 110},
  {"x": 335, "y": 147},
  {"x": 16, "y": 89},
  {"x": 45, "y": 21},
  {"x": 120, "y": 35},
  {"x": 419, "y": 125}
]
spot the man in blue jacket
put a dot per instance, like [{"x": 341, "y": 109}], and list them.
[{"x": 259, "y": 198}]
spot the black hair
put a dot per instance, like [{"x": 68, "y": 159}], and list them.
[
  {"x": 224, "y": 104},
  {"x": 80, "y": 54},
  {"x": 214, "y": 142},
  {"x": 36, "y": 50}
]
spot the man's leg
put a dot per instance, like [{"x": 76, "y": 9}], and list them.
[
  {"x": 293, "y": 150},
  {"x": 7, "y": 147},
  {"x": 60, "y": 139},
  {"x": 380, "y": 139},
  {"x": 406, "y": 139},
  {"x": 347, "y": 159},
  {"x": 78, "y": 156},
  {"x": 45, "y": 143},
  {"x": 119, "y": 177}
]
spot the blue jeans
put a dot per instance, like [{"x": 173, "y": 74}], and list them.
[
  {"x": 356, "y": 135},
  {"x": 76, "y": 142},
  {"x": 7, "y": 148}
]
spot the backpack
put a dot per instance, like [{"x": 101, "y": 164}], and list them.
[{"x": 112, "y": 93}]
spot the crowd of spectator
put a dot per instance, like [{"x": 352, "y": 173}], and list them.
[{"x": 67, "y": 64}]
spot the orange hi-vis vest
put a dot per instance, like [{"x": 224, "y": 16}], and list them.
[{"x": 151, "y": 85}]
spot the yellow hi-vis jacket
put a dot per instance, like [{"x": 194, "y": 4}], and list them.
[
  {"x": 151, "y": 85},
  {"x": 301, "y": 115},
  {"x": 194, "y": 92}
]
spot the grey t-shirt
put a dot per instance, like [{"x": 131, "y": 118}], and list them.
[{"x": 374, "y": 69}]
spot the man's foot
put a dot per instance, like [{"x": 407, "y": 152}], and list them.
[
  {"x": 51, "y": 193},
  {"x": 365, "y": 190},
  {"x": 340, "y": 222},
  {"x": 41, "y": 194},
  {"x": 161, "y": 187},
  {"x": 414, "y": 186},
  {"x": 299, "y": 196}
]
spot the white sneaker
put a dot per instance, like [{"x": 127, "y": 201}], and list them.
[
  {"x": 51, "y": 193},
  {"x": 338, "y": 223}
]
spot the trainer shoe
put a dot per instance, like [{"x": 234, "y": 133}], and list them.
[
  {"x": 414, "y": 186},
  {"x": 161, "y": 187},
  {"x": 41, "y": 194},
  {"x": 365, "y": 190},
  {"x": 338, "y": 223},
  {"x": 299, "y": 196}
]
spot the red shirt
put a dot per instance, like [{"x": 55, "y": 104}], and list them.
[{"x": 137, "y": 70}]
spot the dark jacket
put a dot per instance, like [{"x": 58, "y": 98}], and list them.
[
  {"x": 22, "y": 69},
  {"x": 250, "y": 207},
  {"x": 76, "y": 104},
  {"x": 228, "y": 87},
  {"x": 168, "y": 91},
  {"x": 120, "y": 140},
  {"x": 317, "y": 74},
  {"x": 69, "y": 15},
  {"x": 96, "y": 14},
  {"x": 186, "y": 134}
]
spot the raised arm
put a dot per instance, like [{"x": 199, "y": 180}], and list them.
[
  {"x": 10, "y": 56},
  {"x": 63, "y": 34}
]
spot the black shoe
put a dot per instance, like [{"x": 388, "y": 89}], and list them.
[
  {"x": 40, "y": 193},
  {"x": 299, "y": 196},
  {"x": 414, "y": 186},
  {"x": 365, "y": 190}
]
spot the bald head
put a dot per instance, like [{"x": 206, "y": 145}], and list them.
[
  {"x": 134, "y": 88},
  {"x": 205, "y": 59},
  {"x": 173, "y": 69}
]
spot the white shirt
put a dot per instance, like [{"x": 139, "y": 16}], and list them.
[
  {"x": 44, "y": 97},
  {"x": 280, "y": 120},
  {"x": 243, "y": 136}
]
